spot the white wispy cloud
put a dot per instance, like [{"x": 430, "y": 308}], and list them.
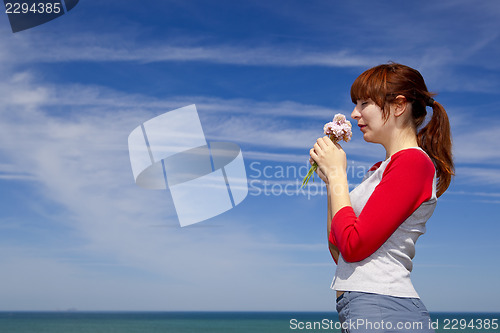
[
  {"x": 478, "y": 144},
  {"x": 475, "y": 193},
  {"x": 479, "y": 175},
  {"x": 112, "y": 48}
]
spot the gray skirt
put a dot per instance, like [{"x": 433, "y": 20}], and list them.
[{"x": 361, "y": 312}]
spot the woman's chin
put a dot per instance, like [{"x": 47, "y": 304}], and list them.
[{"x": 369, "y": 139}]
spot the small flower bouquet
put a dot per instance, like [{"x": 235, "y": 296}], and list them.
[{"x": 338, "y": 129}]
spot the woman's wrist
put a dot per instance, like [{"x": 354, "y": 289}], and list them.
[
  {"x": 336, "y": 175},
  {"x": 338, "y": 188}
]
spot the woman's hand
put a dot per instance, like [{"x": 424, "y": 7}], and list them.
[
  {"x": 319, "y": 172},
  {"x": 330, "y": 157}
]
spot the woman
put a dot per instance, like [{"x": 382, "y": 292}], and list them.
[{"x": 375, "y": 227}]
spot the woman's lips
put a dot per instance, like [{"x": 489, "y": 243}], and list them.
[{"x": 361, "y": 127}]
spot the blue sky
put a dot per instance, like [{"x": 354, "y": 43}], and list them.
[{"x": 75, "y": 230}]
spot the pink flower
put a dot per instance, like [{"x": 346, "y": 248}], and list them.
[
  {"x": 338, "y": 129},
  {"x": 339, "y": 118}
]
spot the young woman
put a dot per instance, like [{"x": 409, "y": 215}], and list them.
[{"x": 372, "y": 231}]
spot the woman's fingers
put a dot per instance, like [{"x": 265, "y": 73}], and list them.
[
  {"x": 321, "y": 142},
  {"x": 322, "y": 147},
  {"x": 316, "y": 149},
  {"x": 326, "y": 141}
]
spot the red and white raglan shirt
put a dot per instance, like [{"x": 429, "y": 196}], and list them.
[{"x": 376, "y": 236}]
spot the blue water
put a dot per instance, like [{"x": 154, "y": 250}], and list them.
[{"x": 190, "y": 322}]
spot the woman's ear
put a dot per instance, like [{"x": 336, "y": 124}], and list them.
[{"x": 400, "y": 105}]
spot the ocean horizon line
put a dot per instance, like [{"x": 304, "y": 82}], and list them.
[{"x": 72, "y": 310}]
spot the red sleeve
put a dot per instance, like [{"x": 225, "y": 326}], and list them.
[{"x": 406, "y": 183}]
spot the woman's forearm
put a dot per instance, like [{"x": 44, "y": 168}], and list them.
[
  {"x": 338, "y": 190},
  {"x": 334, "y": 251}
]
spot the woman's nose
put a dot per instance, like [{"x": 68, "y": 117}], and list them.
[{"x": 355, "y": 114}]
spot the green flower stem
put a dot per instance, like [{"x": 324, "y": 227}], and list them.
[
  {"x": 309, "y": 174},
  {"x": 314, "y": 167}
]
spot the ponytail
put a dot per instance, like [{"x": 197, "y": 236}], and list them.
[{"x": 435, "y": 140}]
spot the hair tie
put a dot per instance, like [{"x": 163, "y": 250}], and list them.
[{"x": 430, "y": 102}]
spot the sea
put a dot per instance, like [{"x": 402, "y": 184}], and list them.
[{"x": 216, "y": 322}]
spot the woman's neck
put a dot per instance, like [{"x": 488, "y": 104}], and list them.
[{"x": 401, "y": 140}]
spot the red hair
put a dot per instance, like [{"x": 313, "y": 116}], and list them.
[{"x": 383, "y": 83}]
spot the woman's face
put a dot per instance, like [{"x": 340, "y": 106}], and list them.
[{"x": 370, "y": 121}]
